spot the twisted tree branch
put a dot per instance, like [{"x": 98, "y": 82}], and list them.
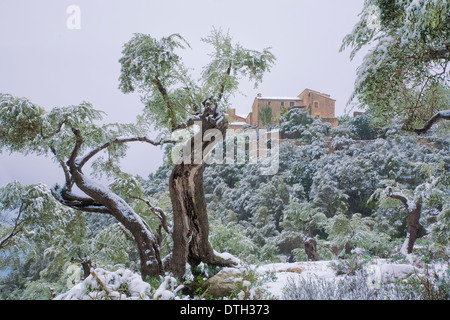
[{"x": 438, "y": 116}]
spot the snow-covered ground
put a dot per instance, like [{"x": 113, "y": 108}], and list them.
[
  {"x": 124, "y": 284},
  {"x": 102, "y": 283},
  {"x": 293, "y": 271}
]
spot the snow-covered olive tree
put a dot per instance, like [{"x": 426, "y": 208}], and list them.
[
  {"x": 75, "y": 137},
  {"x": 405, "y": 74},
  {"x": 426, "y": 195},
  {"x": 173, "y": 100}
]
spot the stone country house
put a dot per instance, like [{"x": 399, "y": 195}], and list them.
[{"x": 267, "y": 110}]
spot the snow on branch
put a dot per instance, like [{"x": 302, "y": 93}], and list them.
[
  {"x": 76, "y": 202},
  {"x": 438, "y": 116},
  {"x": 410, "y": 205}
]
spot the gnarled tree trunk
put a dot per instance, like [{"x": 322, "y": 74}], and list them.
[
  {"x": 190, "y": 218},
  {"x": 413, "y": 227},
  {"x": 310, "y": 245}
]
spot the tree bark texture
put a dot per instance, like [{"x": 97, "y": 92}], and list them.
[
  {"x": 190, "y": 218},
  {"x": 310, "y": 248},
  {"x": 413, "y": 227}
]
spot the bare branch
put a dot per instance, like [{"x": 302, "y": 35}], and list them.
[
  {"x": 69, "y": 182},
  {"x": 222, "y": 88}
]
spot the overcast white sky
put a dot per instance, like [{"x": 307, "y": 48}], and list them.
[{"x": 43, "y": 60}]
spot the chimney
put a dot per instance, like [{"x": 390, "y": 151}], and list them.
[{"x": 259, "y": 95}]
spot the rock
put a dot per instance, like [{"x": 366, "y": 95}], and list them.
[{"x": 222, "y": 284}]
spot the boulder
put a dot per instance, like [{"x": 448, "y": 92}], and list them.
[{"x": 222, "y": 284}]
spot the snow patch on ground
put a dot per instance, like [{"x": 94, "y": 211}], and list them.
[{"x": 297, "y": 270}]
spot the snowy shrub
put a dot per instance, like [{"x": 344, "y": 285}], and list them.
[
  {"x": 303, "y": 216},
  {"x": 355, "y": 232},
  {"x": 361, "y": 128},
  {"x": 432, "y": 284},
  {"x": 230, "y": 238},
  {"x": 440, "y": 231},
  {"x": 344, "y": 288},
  {"x": 339, "y": 143},
  {"x": 349, "y": 264},
  {"x": 168, "y": 289},
  {"x": 326, "y": 194},
  {"x": 424, "y": 284},
  {"x": 122, "y": 284},
  {"x": 249, "y": 284},
  {"x": 294, "y": 122},
  {"x": 342, "y": 138}
]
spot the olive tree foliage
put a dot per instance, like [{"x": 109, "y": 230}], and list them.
[
  {"x": 28, "y": 214},
  {"x": 405, "y": 74},
  {"x": 170, "y": 94},
  {"x": 152, "y": 67}
]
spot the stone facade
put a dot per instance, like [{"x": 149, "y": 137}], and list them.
[{"x": 267, "y": 110}]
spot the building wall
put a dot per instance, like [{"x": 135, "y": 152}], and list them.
[
  {"x": 278, "y": 106},
  {"x": 234, "y": 117},
  {"x": 318, "y": 104}
]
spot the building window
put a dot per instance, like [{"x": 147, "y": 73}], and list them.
[
  {"x": 269, "y": 103},
  {"x": 282, "y": 103},
  {"x": 291, "y": 103},
  {"x": 316, "y": 104}
]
